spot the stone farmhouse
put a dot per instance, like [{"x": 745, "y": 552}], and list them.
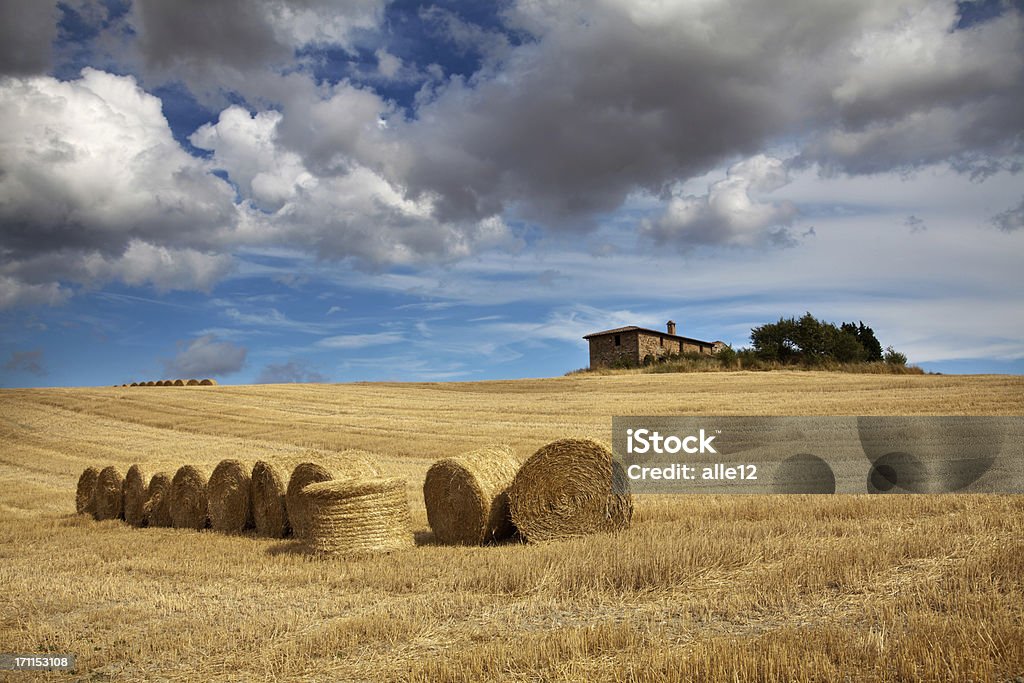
[{"x": 630, "y": 345}]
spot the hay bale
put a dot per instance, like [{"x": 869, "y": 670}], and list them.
[
  {"x": 134, "y": 384},
  {"x": 86, "y": 486},
  {"x": 351, "y": 464},
  {"x": 298, "y": 506},
  {"x": 135, "y": 496},
  {"x": 229, "y": 495},
  {"x": 188, "y": 502},
  {"x": 192, "y": 383},
  {"x": 149, "y": 384},
  {"x": 158, "y": 501},
  {"x": 467, "y": 496},
  {"x": 269, "y": 511},
  {"x": 570, "y": 487},
  {"x": 358, "y": 517},
  {"x": 108, "y": 496},
  {"x": 178, "y": 383},
  {"x": 208, "y": 383}
]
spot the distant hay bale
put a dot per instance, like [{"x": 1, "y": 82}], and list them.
[
  {"x": 134, "y": 384},
  {"x": 192, "y": 383},
  {"x": 323, "y": 467},
  {"x": 467, "y": 496},
  {"x": 108, "y": 496},
  {"x": 208, "y": 382},
  {"x": 158, "y": 501},
  {"x": 358, "y": 517},
  {"x": 570, "y": 487},
  {"x": 164, "y": 383},
  {"x": 269, "y": 511},
  {"x": 229, "y": 495},
  {"x": 84, "y": 492},
  {"x": 178, "y": 383},
  {"x": 188, "y": 498},
  {"x": 149, "y": 384},
  {"x": 135, "y": 496}
]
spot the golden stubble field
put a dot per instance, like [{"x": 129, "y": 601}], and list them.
[{"x": 744, "y": 588}]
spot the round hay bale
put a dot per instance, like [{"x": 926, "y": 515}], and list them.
[
  {"x": 158, "y": 501},
  {"x": 467, "y": 496},
  {"x": 570, "y": 487},
  {"x": 135, "y": 496},
  {"x": 108, "y": 496},
  {"x": 134, "y": 384},
  {"x": 188, "y": 502},
  {"x": 149, "y": 384},
  {"x": 298, "y": 506},
  {"x": 192, "y": 383},
  {"x": 351, "y": 464},
  {"x": 269, "y": 511},
  {"x": 178, "y": 383},
  {"x": 229, "y": 495},
  {"x": 208, "y": 382},
  {"x": 86, "y": 486},
  {"x": 358, "y": 517}
]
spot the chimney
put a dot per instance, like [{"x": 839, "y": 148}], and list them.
[{"x": 671, "y": 327}]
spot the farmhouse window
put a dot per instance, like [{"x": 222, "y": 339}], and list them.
[
  {"x": 618, "y": 340},
  {"x": 661, "y": 342}
]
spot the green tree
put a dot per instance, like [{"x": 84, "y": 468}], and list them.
[
  {"x": 774, "y": 341},
  {"x": 866, "y": 336},
  {"x": 894, "y": 357}
]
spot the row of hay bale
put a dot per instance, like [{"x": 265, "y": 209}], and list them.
[
  {"x": 174, "y": 383},
  {"x": 342, "y": 506},
  {"x": 570, "y": 487},
  {"x": 322, "y": 503}
]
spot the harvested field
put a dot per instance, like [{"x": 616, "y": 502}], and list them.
[{"x": 874, "y": 588}]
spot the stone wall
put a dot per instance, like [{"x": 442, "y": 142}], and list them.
[
  {"x": 656, "y": 345},
  {"x": 604, "y": 352}
]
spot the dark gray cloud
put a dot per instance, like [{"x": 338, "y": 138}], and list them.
[
  {"x": 296, "y": 372},
  {"x": 205, "y": 356},
  {"x": 1010, "y": 220},
  {"x": 613, "y": 96},
  {"x": 30, "y": 362},
  {"x": 27, "y": 30},
  {"x": 240, "y": 46}
]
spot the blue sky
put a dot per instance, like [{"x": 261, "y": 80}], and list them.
[{"x": 267, "y": 191}]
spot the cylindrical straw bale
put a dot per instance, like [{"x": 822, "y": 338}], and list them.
[
  {"x": 319, "y": 467},
  {"x": 178, "y": 383},
  {"x": 135, "y": 496},
  {"x": 158, "y": 500},
  {"x": 229, "y": 494},
  {"x": 269, "y": 511},
  {"x": 192, "y": 383},
  {"x": 108, "y": 496},
  {"x": 467, "y": 496},
  {"x": 188, "y": 498},
  {"x": 358, "y": 517},
  {"x": 84, "y": 492},
  {"x": 208, "y": 382},
  {"x": 570, "y": 487}
]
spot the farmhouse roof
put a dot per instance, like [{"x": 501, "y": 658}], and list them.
[{"x": 660, "y": 333}]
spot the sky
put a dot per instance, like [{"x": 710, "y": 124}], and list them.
[{"x": 310, "y": 191}]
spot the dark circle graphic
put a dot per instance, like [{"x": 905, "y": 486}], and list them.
[
  {"x": 929, "y": 454},
  {"x": 883, "y": 477},
  {"x": 898, "y": 472},
  {"x": 804, "y": 473}
]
